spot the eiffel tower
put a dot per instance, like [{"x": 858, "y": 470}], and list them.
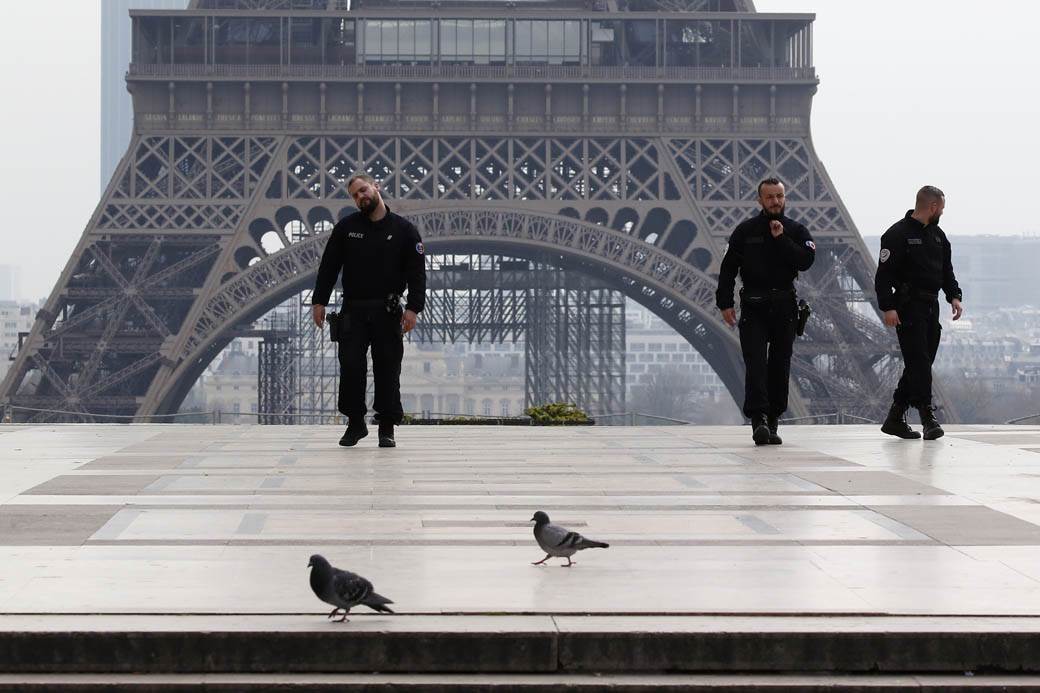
[{"x": 619, "y": 138}]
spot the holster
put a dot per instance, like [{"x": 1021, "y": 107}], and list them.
[
  {"x": 804, "y": 311},
  {"x": 393, "y": 305},
  {"x": 336, "y": 325}
]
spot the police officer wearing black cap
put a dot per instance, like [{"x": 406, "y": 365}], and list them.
[
  {"x": 768, "y": 251},
  {"x": 914, "y": 264},
  {"x": 380, "y": 254}
]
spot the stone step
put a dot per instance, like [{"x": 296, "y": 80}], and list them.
[
  {"x": 472, "y": 683},
  {"x": 407, "y": 644}
]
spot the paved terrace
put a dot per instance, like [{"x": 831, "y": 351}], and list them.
[{"x": 211, "y": 520}]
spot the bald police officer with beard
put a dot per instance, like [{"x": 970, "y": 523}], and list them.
[
  {"x": 914, "y": 264},
  {"x": 380, "y": 254}
]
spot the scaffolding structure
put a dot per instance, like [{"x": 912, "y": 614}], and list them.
[
  {"x": 317, "y": 364},
  {"x": 276, "y": 377},
  {"x": 575, "y": 345},
  {"x": 572, "y": 328}
]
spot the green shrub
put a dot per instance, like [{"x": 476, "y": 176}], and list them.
[{"x": 557, "y": 413}]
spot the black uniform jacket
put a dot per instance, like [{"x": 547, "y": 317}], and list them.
[
  {"x": 376, "y": 258},
  {"x": 764, "y": 262},
  {"x": 914, "y": 256}
]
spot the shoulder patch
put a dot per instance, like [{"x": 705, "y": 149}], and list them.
[
  {"x": 885, "y": 254},
  {"x": 810, "y": 245},
  {"x": 419, "y": 248}
]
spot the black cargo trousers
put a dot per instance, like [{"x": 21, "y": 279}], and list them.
[
  {"x": 368, "y": 324},
  {"x": 768, "y": 323},
  {"x": 919, "y": 332}
]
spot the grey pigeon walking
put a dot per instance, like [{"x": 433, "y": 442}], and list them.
[
  {"x": 343, "y": 589},
  {"x": 559, "y": 541}
]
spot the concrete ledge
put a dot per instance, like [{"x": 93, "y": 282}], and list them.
[
  {"x": 453, "y": 683},
  {"x": 272, "y": 652},
  {"x": 793, "y": 652},
  {"x": 519, "y": 644}
]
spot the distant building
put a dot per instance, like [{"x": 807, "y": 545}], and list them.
[
  {"x": 116, "y": 111},
  {"x": 651, "y": 344},
  {"x": 657, "y": 357},
  {"x": 440, "y": 379},
  {"x": 463, "y": 379},
  {"x": 993, "y": 271},
  {"x": 15, "y": 318},
  {"x": 229, "y": 385}
]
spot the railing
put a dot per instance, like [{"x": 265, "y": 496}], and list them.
[
  {"x": 476, "y": 72},
  {"x": 839, "y": 418},
  {"x": 631, "y": 418},
  {"x": 1022, "y": 419},
  {"x": 213, "y": 416},
  {"x": 216, "y": 417}
]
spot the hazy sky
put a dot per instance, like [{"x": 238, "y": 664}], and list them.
[{"x": 912, "y": 92}]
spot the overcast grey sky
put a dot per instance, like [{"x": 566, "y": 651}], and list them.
[{"x": 912, "y": 92}]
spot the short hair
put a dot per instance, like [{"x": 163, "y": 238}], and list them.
[
  {"x": 768, "y": 181},
  {"x": 360, "y": 176},
  {"x": 929, "y": 194}
]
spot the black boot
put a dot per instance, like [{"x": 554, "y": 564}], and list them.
[
  {"x": 386, "y": 435},
  {"x": 932, "y": 429},
  {"x": 896, "y": 425},
  {"x": 774, "y": 423},
  {"x": 759, "y": 429},
  {"x": 356, "y": 430}
]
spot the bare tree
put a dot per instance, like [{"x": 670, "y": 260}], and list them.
[
  {"x": 673, "y": 392},
  {"x": 973, "y": 398},
  {"x": 666, "y": 391}
]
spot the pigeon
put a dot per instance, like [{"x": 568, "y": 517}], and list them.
[
  {"x": 559, "y": 541},
  {"x": 343, "y": 589}
]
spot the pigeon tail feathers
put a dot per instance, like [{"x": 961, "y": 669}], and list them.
[{"x": 378, "y": 602}]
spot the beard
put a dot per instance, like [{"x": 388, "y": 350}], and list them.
[
  {"x": 368, "y": 206},
  {"x": 775, "y": 216},
  {"x": 934, "y": 219}
]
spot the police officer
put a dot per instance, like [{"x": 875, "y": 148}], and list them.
[
  {"x": 379, "y": 253},
  {"x": 915, "y": 262},
  {"x": 768, "y": 251}
]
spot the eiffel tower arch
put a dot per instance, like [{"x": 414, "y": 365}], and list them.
[{"x": 621, "y": 139}]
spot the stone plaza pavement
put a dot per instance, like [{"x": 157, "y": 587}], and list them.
[{"x": 180, "y": 519}]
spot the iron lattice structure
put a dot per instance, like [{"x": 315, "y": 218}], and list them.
[{"x": 622, "y": 139}]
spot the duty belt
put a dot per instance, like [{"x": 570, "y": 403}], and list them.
[
  {"x": 364, "y": 302},
  {"x": 923, "y": 293},
  {"x": 766, "y": 293}
]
